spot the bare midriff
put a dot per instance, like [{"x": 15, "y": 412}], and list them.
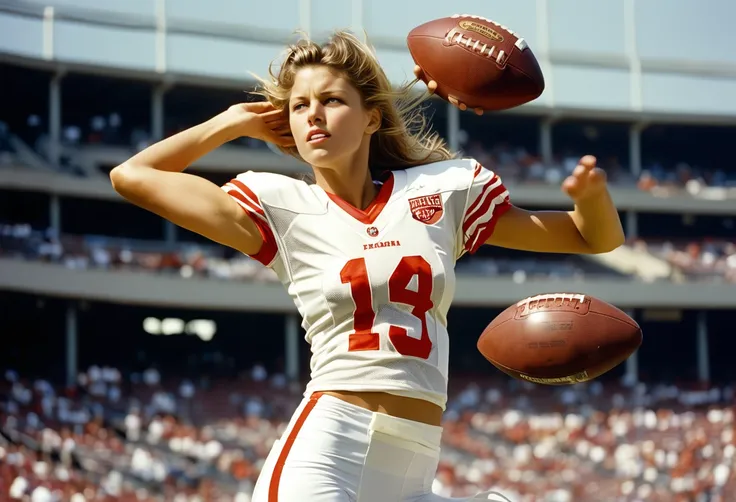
[{"x": 408, "y": 408}]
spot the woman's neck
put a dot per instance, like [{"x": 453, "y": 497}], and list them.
[
  {"x": 354, "y": 186},
  {"x": 352, "y": 180}
]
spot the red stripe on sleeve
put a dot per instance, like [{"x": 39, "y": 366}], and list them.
[
  {"x": 247, "y": 191},
  {"x": 242, "y": 198},
  {"x": 477, "y": 200},
  {"x": 268, "y": 250},
  {"x": 255, "y": 212},
  {"x": 475, "y": 216},
  {"x": 484, "y": 232}
]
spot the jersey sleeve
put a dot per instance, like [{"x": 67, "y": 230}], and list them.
[
  {"x": 487, "y": 199},
  {"x": 247, "y": 189}
]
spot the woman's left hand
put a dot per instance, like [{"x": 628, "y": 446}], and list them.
[
  {"x": 586, "y": 181},
  {"x": 432, "y": 87}
]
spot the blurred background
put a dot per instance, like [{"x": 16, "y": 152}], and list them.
[{"x": 141, "y": 363}]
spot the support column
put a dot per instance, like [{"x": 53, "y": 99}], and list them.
[
  {"x": 356, "y": 12},
  {"x": 55, "y": 119},
  {"x": 632, "y": 363},
  {"x": 55, "y": 214},
  {"x": 71, "y": 344},
  {"x": 161, "y": 39},
  {"x": 291, "y": 347},
  {"x": 453, "y": 127},
  {"x": 703, "y": 352},
  {"x": 157, "y": 134},
  {"x": 546, "y": 147},
  {"x": 635, "y": 162},
  {"x": 157, "y": 112},
  {"x": 170, "y": 233},
  {"x": 305, "y": 16},
  {"x": 632, "y": 225}
]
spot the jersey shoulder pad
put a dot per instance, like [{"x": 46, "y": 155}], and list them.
[
  {"x": 279, "y": 192},
  {"x": 445, "y": 175}
]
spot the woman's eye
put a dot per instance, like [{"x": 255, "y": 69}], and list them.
[
  {"x": 298, "y": 107},
  {"x": 333, "y": 100}
]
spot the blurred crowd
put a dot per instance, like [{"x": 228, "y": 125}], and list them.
[
  {"x": 515, "y": 164},
  {"x": 185, "y": 260},
  {"x": 707, "y": 259},
  {"x": 713, "y": 260},
  {"x": 189, "y": 260},
  {"x": 144, "y": 437}
]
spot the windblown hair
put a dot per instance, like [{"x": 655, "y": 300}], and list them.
[{"x": 404, "y": 138}]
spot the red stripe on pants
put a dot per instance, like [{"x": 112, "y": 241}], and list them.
[{"x": 273, "y": 488}]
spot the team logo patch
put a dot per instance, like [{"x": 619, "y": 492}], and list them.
[
  {"x": 372, "y": 231},
  {"x": 427, "y": 208}
]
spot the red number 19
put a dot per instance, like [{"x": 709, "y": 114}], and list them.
[{"x": 355, "y": 273}]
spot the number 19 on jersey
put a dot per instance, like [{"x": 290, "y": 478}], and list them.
[{"x": 355, "y": 273}]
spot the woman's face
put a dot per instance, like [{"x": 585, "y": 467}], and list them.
[{"x": 329, "y": 123}]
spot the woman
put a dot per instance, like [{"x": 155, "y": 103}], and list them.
[{"x": 367, "y": 253}]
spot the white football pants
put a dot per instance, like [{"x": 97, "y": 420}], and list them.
[{"x": 333, "y": 451}]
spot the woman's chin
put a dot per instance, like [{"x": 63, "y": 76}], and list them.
[{"x": 319, "y": 157}]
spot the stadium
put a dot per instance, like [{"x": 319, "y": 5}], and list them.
[{"x": 142, "y": 362}]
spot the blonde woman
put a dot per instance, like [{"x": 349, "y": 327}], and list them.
[{"x": 367, "y": 252}]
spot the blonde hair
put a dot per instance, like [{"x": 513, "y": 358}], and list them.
[{"x": 404, "y": 138}]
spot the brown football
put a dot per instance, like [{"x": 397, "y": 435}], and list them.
[
  {"x": 559, "y": 338},
  {"x": 480, "y": 62}
]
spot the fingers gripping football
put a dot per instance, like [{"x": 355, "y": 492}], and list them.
[{"x": 475, "y": 63}]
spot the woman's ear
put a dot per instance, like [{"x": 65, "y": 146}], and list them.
[{"x": 375, "y": 121}]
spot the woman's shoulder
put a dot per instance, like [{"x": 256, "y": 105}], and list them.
[
  {"x": 273, "y": 189},
  {"x": 449, "y": 174}
]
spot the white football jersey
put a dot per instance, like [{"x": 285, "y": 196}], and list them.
[{"x": 374, "y": 286}]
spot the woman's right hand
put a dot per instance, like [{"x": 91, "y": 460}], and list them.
[{"x": 261, "y": 121}]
